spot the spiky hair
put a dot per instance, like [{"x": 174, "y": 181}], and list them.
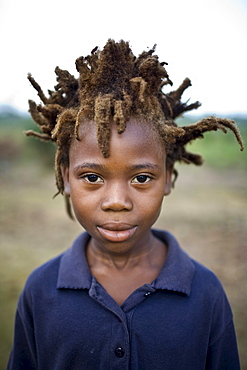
[{"x": 115, "y": 85}]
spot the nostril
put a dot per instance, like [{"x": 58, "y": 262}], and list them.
[
  {"x": 119, "y": 204},
  {"x": 116, "y": 206}
]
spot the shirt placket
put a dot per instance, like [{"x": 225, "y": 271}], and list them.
[
  {"x": 119, "y": 345},
  {"x": 119, "y": 348}
]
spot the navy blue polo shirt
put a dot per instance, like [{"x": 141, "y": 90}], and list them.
[{"x": 66, "y": 320}]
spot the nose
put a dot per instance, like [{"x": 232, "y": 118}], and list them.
[{"x": 117, "y": 198}]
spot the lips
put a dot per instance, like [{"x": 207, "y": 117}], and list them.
[{"x": 116, "y": 232}]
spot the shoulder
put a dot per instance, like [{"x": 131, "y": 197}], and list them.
[
  {"x": 44, "y": 275},
  {"x": 45, "y": 279},
  {"x": 206, "y": 280},
  {"x": 40, "y": 285},
  {"x": 207, "y": 289}
]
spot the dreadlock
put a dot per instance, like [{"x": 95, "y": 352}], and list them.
[{"x": 114, "y": 84}]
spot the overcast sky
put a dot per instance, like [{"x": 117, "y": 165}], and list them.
[{"x": 205, "y": 40}]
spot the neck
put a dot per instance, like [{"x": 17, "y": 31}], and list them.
[{"x": 145, "y": 254}]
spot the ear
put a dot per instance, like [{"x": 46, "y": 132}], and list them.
[
  {"x": 65, "y": 175},
  {"x": 168, "y": 182}
]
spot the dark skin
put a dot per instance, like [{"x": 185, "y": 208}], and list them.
[{"x": 117, "y": 200}]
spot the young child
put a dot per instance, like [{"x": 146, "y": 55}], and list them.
[{"x": 124, "y": 296}]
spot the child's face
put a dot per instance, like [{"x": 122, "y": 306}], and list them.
[{"x": 117, "y": 199}]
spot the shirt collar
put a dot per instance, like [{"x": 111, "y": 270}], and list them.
[
  {"x": 178, "y": 270},
  {"x": 176, "y": 274},
  {"x": 74, "y": 272}
]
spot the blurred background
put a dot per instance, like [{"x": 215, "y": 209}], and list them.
[{"x": 204, "y": 40}]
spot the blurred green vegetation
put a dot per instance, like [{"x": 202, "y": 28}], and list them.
[
  {"x": 16, "y": 147},
  {"x": 218, "y": 149}
]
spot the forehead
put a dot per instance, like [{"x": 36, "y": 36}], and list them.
[{"x": 138, "y": 139}]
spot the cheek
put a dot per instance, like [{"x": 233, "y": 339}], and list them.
[
  {"x": 84, "y": 204},
  {"x": 151, "y": 204}
]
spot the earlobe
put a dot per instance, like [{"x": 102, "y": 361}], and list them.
[
  {"x": 168, "y": 183},
  {"x": 65, "y": 175}
]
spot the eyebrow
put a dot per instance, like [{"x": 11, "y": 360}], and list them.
[
  {"x": 146, "y": 165},
  {"x": 97, "y": 166},
  {"x": 89, "y": 165}
]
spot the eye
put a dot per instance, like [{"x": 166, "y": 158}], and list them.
[
  {"x": 92, "y": 178},
  {"x": 141, "y": 179}
]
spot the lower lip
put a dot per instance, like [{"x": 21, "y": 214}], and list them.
[{"x": 117, "y": 235}]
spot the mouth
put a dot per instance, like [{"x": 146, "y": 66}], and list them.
[{"x": 116, "y": 231}]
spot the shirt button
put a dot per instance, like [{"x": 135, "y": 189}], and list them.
[
  {"x": 147, "y": 294},
  {"x": 119, "y": 352}
]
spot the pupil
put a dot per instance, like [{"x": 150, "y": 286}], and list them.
[
  {"x": 92, "y": 178},
  {"x": 142, "y": 178}
]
